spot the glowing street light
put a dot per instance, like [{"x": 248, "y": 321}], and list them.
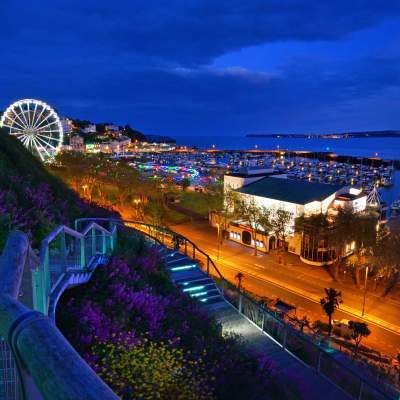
[{"x": 218, "y": 240}]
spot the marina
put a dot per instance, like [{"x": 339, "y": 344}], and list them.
[{"x": 209, "y": 166}]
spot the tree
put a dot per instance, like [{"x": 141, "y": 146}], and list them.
[
  {"x": 304, "y": 322},
  {"x": 265, "y": 220},
  {"x": 280, "y": 221},
  {"x": 329, "y": 304},
  {"x": 185, "y": 183},
  {"x": 157, "y": 212},
  {"x": 387, "y": 256},
  {"x": 68, "y": 166},
  {"x": 239, "y": 278},
  {"x": 224, "y": 207},
  {"x": 359, "y": 230},
  {"x": 359, "y": 330},
  {"x": 81, "y": 171},
  {"x": 124, "y": 179},
  {"x": 249, "y": 212}
]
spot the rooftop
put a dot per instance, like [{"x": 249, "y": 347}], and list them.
[
  {"x": 291, "y": 191},
  {"x": 350, "y": 196},
  {"x": 249, "y": 172}
]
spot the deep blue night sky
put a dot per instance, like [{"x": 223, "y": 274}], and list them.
[{"x": 207, "y": 67}]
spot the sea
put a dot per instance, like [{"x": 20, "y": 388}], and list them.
[{"x": 386, "y": 148}]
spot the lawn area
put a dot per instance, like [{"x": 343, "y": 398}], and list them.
[
  {"x": 175, "y": 218},
  {"x": 199, "y": 202}
]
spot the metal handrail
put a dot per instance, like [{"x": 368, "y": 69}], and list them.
[
  {"x": 49, "y": 367},
  {"x": 41, "y": 277},
  {"x": 242, "y": 295},
  {"x": 158, "y": 228}
]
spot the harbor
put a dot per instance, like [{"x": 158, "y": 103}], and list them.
[{"x": 203, "y": 167}]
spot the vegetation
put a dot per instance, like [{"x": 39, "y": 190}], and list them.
[
  {"x": 249, "y": 212},
  {"x": 145, "y": 337},
  {"x": 279, "y": 222},
  {"x": 359, "y": 330},
  {"x": 147, "y": 369},
  {"x": 271, "y": 220},
  {"x": 31, "y": 199},
  {"x": 114, "y": 185},
  {"x": 330, "y": 303},
  {"x": 239, "y": 278},
  {"x": 345, "y": 229},
  {"x": 224, "y": 209},
  {"x": 200, "y": 202}
]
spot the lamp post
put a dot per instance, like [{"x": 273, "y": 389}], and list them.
[
  {"x": 218, "y": 227},
  {"x": 365, "y": 290}
]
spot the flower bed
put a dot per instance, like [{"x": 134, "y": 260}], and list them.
[{"x": 130, "y": 312}]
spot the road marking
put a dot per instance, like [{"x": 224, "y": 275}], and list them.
[{"x": 316, "y": 301}]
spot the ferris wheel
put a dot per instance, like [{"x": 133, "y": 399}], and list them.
[{"x": 36, "y": 125}]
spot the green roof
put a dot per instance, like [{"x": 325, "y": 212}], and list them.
[{"x": 290, "y": 190}]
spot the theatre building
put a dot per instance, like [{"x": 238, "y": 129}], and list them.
[{"x": 298, "y": 198}]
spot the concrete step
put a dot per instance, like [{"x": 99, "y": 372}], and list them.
[
  {"x": 182, "y": 265},
  {"x": 175, "y": 258},
  {"x": 186, "y": 275},
  {"x": 198, "y": 288},
  {"x": 205, "y": 293},
  {"x": 195, "y": 282},
  {"x": 212, "y": 300}
]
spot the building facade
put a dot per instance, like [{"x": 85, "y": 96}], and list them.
[
  {"x": 298, "y": 198},
  {"x": 77, "y": 143}
]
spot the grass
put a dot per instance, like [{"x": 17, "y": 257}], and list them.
[
  {"x": 175, "y": 218},
  {"x": 196, "y": 201}
]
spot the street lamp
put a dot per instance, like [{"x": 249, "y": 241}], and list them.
[
  {"x": 218, "y": 227},
  {"x": 365, "y": 290}
]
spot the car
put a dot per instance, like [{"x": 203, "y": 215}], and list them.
[{"x": 342, "y": 326}]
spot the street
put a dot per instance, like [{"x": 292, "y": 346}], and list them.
[{"x": 299, "y": 284}]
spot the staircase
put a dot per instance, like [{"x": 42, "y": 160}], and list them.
[
  {"x": 73, "y": 277},
  {"x": 190, "y": 279}
]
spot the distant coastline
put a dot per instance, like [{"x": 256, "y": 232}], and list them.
[{"x": 343, "y": 135}]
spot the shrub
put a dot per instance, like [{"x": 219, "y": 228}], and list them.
[
  {"x": 120, "y": 300},
  {"x": 151, "y": 370}
]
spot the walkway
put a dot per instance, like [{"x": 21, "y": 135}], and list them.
[
  {"x": 305, "y": 383},
  {"x": 310, "y": 385}
]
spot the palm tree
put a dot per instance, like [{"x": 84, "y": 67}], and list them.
[
  {"x": 239, "y": 277},
  {"x": 304, "y": 322},
  {"x": 329, "y": 304}
]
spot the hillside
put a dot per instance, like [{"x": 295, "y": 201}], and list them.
[{"x": 31, "y": 199}]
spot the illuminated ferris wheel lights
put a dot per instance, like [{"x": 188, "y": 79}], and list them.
[{"x": 36, "y": 125}]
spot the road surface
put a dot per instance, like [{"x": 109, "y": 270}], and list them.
[{"x": 299, "y": 284}]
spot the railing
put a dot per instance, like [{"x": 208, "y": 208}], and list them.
[
  {"x": 62, "y": 250},
  {"x": 310, "y": 351},
  {"x": 37, "y": 361},
  {"x": 166, "y": 237}
]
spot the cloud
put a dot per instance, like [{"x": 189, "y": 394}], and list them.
[
  {"x": 149, "y": 63},
  {"x": 186, "y": 32}
]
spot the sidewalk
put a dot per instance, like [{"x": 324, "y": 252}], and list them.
[
  {"x": 316, "y": 298},
  {"x": 305, "y": 383}
]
